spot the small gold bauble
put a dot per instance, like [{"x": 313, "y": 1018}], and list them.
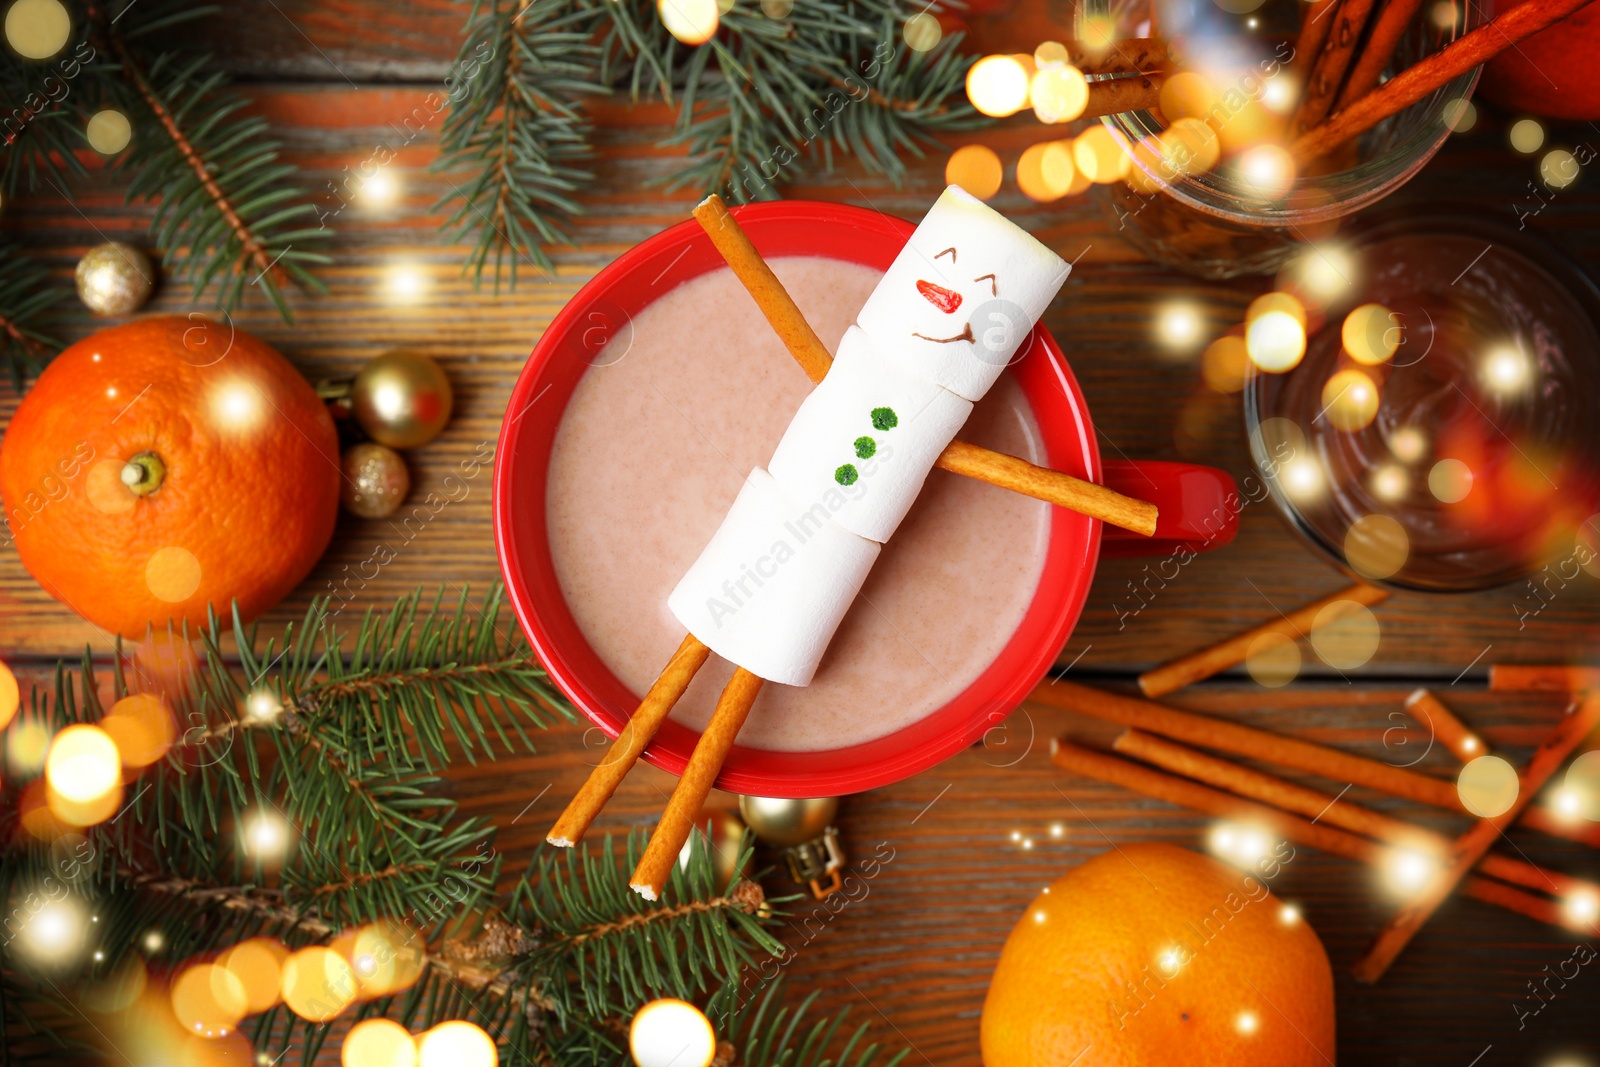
[
  {"x": 784, "y": 823},
  {"x": 115, "y": 279},
  {"x": 401, "y": 399},
  {"x": 726, "y": 834},
  {"x": 375, "y": 481}
]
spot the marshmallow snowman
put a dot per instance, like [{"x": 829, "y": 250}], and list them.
[{"x": 946, "y": 319}]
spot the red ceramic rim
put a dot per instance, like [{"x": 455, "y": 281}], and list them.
[{"x": 638, "y": 277}]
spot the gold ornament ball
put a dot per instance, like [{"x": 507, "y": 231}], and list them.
[
  {"x": 115, "y": 279},
  {"x": 726, "y": 834},
  {"x": 375, "y": 481},
  {"x": 402, "y": 399},
  {"x": 784, "y": 823}
]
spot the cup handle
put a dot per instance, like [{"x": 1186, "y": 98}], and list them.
[{"x": 1199, "y": 507}]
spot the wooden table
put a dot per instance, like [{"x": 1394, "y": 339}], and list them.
[{"x": 914, "y": 957}]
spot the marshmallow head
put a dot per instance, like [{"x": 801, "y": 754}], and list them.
[
  {"x": 864, "y": 440},
  {"x": 962, "y": 296},
  {"x": 774, "y": 583}
]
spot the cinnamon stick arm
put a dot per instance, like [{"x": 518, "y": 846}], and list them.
[
  {"x": 1314, "y": 31},
  {"x": 1234, "y": 650},
  {"x": 677, "y": 821},
  {"x": 625, "y": 751},
  {"x": 1507, "y": 677},
  {"x": 986, "y": 465},
  {"x": 1471, "y": 846},
  {"x": 1411, "y": 85}
]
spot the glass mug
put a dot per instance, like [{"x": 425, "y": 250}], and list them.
[
  {"x": 1470, "y": 457},
  {"x": 1215, "y": 224}
]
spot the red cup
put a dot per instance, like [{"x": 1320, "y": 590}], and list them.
[{"x": 1199, "y": 509}]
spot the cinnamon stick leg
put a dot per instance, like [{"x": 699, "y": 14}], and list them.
[
  {"x": 677, "y": 821},
  {"x": 653, "y": 710}
]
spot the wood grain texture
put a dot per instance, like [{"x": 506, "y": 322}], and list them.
[{"x": 913, "y": 955}]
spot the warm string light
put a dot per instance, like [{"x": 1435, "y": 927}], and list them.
[
  {"x": 692, "y": 22},
  {"x": 461, "y": 1044},
  {"x": 668, "y": 1033},
  {"x": 998, "y": 86},
  {"x": 55, "y": 934}
]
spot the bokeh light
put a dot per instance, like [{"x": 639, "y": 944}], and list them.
[
  {"x": 1190, "y": 146},
  {"x": 1323, "y": 272},
  {"x": 998, "y": 86},
  {"x": 1370, "y": 334},
  {"x": 1096, "y": 32},
  {"x": 1390, "y": 482},
  {"x": 1582, "y": 783},
  {"x": 264, "y": 835},
  {"x": 1559, "y": 168},
  {"x": 1268, "y": 170},
  {"x": 663, "y": 1027},
  {"x": 1276, "y": 341},
  {"x": 317, "y": 984},
  {"x": 378, "y": 1043},
  {"x": 461, "y": 1044},
  {"x": 1051, "y": 54},
  {"x": 975, "y": 168},
  {"x": 257, "y": 964},
  {"x": 262, "y": 707},
  {"x": 1187, "y": 94},
  {"x": 1376, "y": 546},
  {"x": 1460, "y": 115},
  {"x": 142, "y": 728},
  {"x": 1273, "y": 660},
  {"x": 1031, "y": 177},
  {"x": 1350, "y": 400},
  {"x": 1345, "y": 635},
  {"x": 1526, "y": 136},
  {"x": 405, "y": 283},
  {"x": 1408, "y": 444},
  {"x": 1408, "y": 871},
  {"x": 38, "y": 29},
  {"x": 1275, "y": 301},
  {"x": 83, "y": 764},
  {"x": 208, "y": 1000},
  {"x": 386, "y": 957},
  {"x": 1581, "y": 907},
  {"x": 54, "y": 935},
  {"x": 1450, "y": 481},
  {"x": 1225, "y": 364},
  {"x": 1100, "y": 156},
  {"x": 1178, "y": 324},
  {"x": 108, "y": 132},
  {"x": 1302, "y": 479},
  {"x": 694, "y": 22},
  {"x": 1247, "y": 1023},
  {"x": 1059, "y": 93},
  {"x": 1487, "y": 786},
  {"x": 380, "y": 189},
  {"x": 1505, "y": 370},
  {"x": 922, "y": 32},
  {"x": 10, "y": 696},
  {"x": 1239, "y": 843}
]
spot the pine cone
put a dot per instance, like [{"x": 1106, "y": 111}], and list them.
[{"x": 748, "y": 896}]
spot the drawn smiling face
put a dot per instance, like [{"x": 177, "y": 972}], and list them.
[
  {"x": 960, "y": 299},
  {"x": 948, "y": 300}
]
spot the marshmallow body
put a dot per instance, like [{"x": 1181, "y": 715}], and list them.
[
  {"x": 962, "y": 296},
  {"x": 773, "y": 584},
  {"x": 865, "y": 439}
]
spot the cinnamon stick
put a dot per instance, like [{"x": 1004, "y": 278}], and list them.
[
  {"x": 1387, "y": 30},
  {"x": 1451, "y": 732},
  {"x": 1336, "y": 842},
  {"x": 1130, "y": 55},
  {"x": 1314, "y": 31},
  {"x": 1246, "y": 741},
  {"x": 801, "y": 340},
  {"x": 1433, "y": 72},
  {"x": 1327, "y": 76},
  {"x": 1233, "y": 651},
  {"x": 1504, "y": 677},
  {"x": 689, "y": 796},
  {"x": 1471, "y": 846},
  {"x": 1336, "y": 811},
  {"x": 1112, "y": 96},
  {"x": 653, "y": 710}
]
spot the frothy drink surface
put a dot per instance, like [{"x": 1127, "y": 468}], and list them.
[{"x": 655, "y": 444}]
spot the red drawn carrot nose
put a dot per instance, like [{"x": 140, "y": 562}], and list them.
[{"x": 946, "y": 300}]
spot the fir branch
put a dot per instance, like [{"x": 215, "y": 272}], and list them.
[{"x": 26, "y": 299}]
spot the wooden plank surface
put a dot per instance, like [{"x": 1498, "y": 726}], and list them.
[{"x": 918, "y": 950}]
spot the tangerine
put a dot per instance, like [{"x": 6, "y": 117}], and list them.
[
  {"x": 166, "y": 465},
  {"x": 1151, "y": 955}
]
